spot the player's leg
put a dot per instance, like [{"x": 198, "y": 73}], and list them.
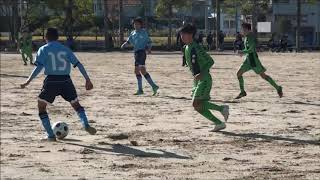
[
  {"x": 273, "y": 83},
  {"x": 244, "y": 68},
  {"x": 47, "y": 96},
  {"x": 24, "y": 57},
  {"x": 83, "y": 117},
  {"x": 42, "y": 107},
  {"x": 147, "y": 76},
  {"x": 29, "y": 55},
  {"x": 201, "y": 97},
  {"x": 137, "y": 57},
  {"x": 139, "y": 80},
  {"x": 69, "y": 93}
]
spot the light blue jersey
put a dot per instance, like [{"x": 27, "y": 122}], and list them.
[
  {"x": 139, "y": 39},
  {"x": 56, "y": 59}
]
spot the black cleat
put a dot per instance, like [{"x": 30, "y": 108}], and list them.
[
  {"x": 279, "y": 91},
  {"x": 242, "y": 94}
]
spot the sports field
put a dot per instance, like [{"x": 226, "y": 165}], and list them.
[{"x": 162, "y": 137}]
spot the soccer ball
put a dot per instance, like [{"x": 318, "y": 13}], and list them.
[{"x": 60, "y": 129}]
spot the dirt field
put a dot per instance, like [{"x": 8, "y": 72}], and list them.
[{"x": 162, "y": 137}]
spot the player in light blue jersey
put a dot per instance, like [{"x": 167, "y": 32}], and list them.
[
  {"x": 56, "y": 60},
  {"x": 141, "y": 42}
]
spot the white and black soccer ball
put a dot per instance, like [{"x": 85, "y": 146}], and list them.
[{"x": 60, "y": 129}]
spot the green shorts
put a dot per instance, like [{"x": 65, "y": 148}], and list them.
[
  {"x": 201, "y": 89},
  {"x": 252, "y": 62}
]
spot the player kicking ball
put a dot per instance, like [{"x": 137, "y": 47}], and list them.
[
  {"x": 141, "y": 42},
  {"x": 252, "y": 62},
  {"x": 56, "y": 60},
  {"x": 199, "y": 63}
]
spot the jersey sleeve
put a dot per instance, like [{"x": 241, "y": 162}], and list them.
[
  {"x": 250, "y": 45},
  {"x": 204, "y": 59},
  {"x": 40, "y": 57},
  {"x": 130, "y": 38},
  {"x": 72, "y": 58}
]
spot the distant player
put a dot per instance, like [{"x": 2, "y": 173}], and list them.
[
  {"x": 199, "y": 63},
  {"x": 252, "y": 62},
  {"x": 25, "y": 43},
  {"x": 56, "y": 60},
  {"x": 141, "y": 42}
]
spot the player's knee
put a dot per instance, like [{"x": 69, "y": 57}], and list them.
[
  {"x": 197, "y": 106},
  {"x": 143, "y": 70},
  {"x": 137, "y": 71},
  {"x": 264, "y": 76},
  {"x": 239, "y": 74},
  {"x": 76, "y": 106},
  {"x": 42, "y": 106}
]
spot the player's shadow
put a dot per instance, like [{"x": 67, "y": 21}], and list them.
[
  {"x": 190, "y": 99},
  {"x": 272, "y": 138},
  {"x": 126, "y": 150}
]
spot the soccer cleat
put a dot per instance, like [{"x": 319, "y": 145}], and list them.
[
  {"x": 279, "y": 91},
  {"x": 218, "y": 127},
  {"x": 139, "y": 92},
  {"x": 155, "y": 90},
  {"x": 91, "y": 130},
  {"x": 242, "y": 94},
  {"x": 225, "y": 112}
]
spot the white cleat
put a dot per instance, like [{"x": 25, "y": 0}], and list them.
[
  {"x": 218, "y": 127},
  {"x": 225, "y": 113}
]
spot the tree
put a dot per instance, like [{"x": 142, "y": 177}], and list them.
[
  {"x": 107, "y": 27},
  {"x": 254, "y": 8},
  {"x": 165, "y": 8}
]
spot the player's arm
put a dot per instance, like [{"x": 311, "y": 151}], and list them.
[
  {"x": 205, "y": 62},
  {"x": 251, "y": 46},
  {"x": 39, "y": 66},
  {"x": 34, "y": 74},
  {"x": 125, "y": 44},
  {"x": 76, "y": 63}
]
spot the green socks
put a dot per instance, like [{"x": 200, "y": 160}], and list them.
[
  {"x": 207, "y": 114},
  {"x": 241, "y": 83},
  {"x": 209, "y": 105},
  {"x": 272, "y": 82}
]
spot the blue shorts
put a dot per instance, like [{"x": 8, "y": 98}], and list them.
[
  {"x": 55, "y": 85},
  {"x": 140, "y": 57}
]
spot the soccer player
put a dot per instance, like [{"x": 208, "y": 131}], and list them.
[
  {"x": 141, "y": 42},
  {"x": 56, "y": 60},
  {"x": 26, "y": 47},
  {"x": 199, "y": 63},
  {"x": 252, "y": 62}
]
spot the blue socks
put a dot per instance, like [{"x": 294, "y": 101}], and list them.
[
  {"x": 150, "y": 81},
  {"x": 83, "y": 117},
  {"x": 139, "y": 78},
  {"x": 46, "y": 124}
]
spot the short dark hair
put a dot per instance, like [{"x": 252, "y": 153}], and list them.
[
  {"x": 138, "y": 20},
  {"x": 52, "y": 34},
  {"x": 246, "y": 26},
  {"x": 189, "y": 28}
]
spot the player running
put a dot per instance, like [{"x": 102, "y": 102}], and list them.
[
  {"x": 56, "y": 60},
  {"x": 141, "y": 42},
  {"x": 199, "y": 63},
  {"x": 25, "y": 44},
  {"x": 252, "y": 62}
]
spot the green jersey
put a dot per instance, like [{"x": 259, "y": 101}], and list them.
[
  {"x": 197, "y": 59},
  {"x": 251, "y": 57}
]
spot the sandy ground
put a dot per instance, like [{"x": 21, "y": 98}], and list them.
[{"x": 162, "y": 137}]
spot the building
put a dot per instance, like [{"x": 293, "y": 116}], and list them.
[{"x": 284, "y": 20}]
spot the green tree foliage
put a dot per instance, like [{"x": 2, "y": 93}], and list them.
[{"x": 165, "y": 8}]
